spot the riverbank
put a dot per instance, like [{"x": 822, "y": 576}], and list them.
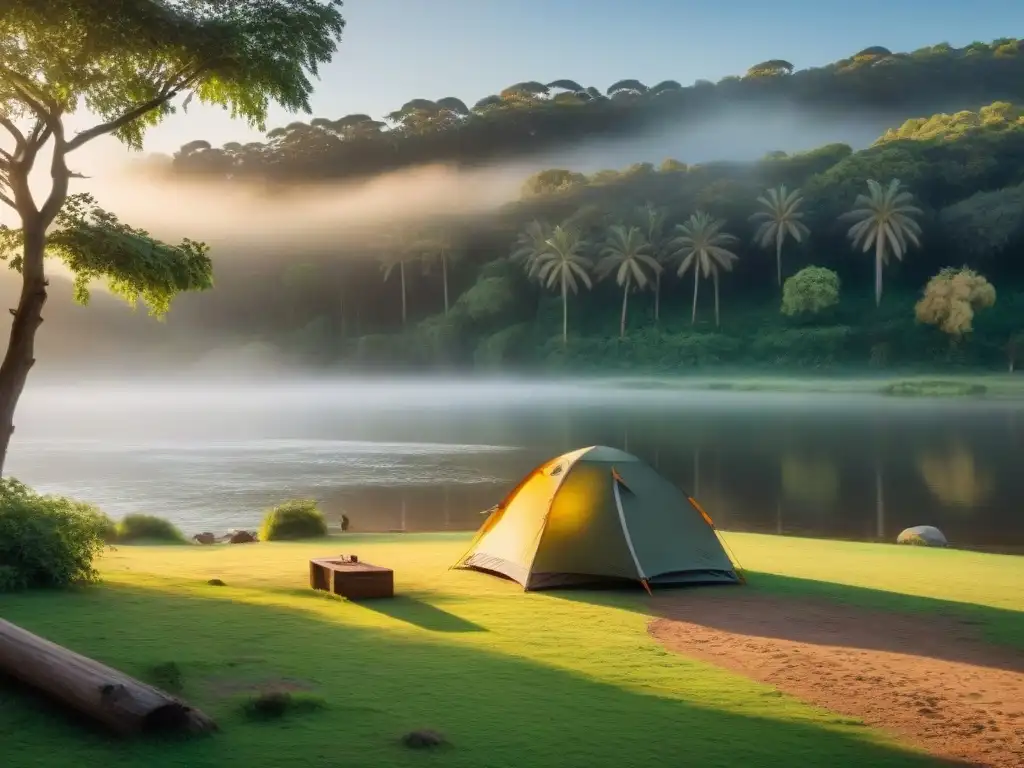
[
  {"x": 508, "y": 678},
  {"x": 982, "y": 386}
]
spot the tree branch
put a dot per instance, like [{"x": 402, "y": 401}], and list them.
[
  {"x": 61, "y": 176},
  {"x": 109, "y": 127},
  {"x": 19, "y": 137},
  {"x": 24, "y": 86},
  {"x": 174, "y": 86},
  {"x": 7, "y": 201}
]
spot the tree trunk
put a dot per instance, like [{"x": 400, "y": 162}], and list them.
[
  {"x": 714, "y": 278},
  {"x": 20, "y": 356},
  {"x": 622, "y": 320},
  {"x": 879, "y": 252},
  {"x": 444, "y": 279},
  {"x": 565, "y": 313},
  {"x": 778, "y": 257},
  {"x": 401, "y": 272},
  {"x": 123, "y": 704},
  {"x": 657, "y": 297},
  {"x": 696, "y": 283}
]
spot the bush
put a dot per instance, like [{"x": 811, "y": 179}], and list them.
[
  {"x": 135, "y": 528},
  {"x": 296, "y": 519},
  {"x": 47, "y": 541},
  {"x": 273, "y": 705},
  {"x": 810, "y": 291}
]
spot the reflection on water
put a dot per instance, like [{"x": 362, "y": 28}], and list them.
[
  {"x": 955, "y": 479},
  {"x": 428, "y": 456}
]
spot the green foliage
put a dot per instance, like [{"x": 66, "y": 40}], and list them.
[
  {"x": 95, "y": 245},
  {"x": 47, "y": 541},
  {"x": 241, "y": 55},
  {"x": 952, "y": 297},
  {"x": 810, "y": 291},
  {"x": 274, "y": 705},
  {"x": 147, "y": 528},
  {"x": 296, "y": 519},
  {"x": 529, "y": 117}
]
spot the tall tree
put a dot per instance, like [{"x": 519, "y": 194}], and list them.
[
  {"x": 398, "y": 259},
  {"x": 884, "y": 220},
  {"x": 627, "y": 255},
  {"x": 563, "y": 265},
  {"x": 529, "y": 245},
  {"x": 128, "y": 66},
  {"x": 437, "y": 246},
  {"x": 652, "y": 224},
  {"x": 781, "y": 218},
  {"x": 702, "y": 246}
]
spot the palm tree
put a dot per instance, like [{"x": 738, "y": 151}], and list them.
[
  {"x": 884, "y": 219},
  {"x": 388, "y": 266},
  {"x": 627, "y": 255},
  {"x": 531, "y": 242},
  {"x": 562, "y": 264},
  {"x": 702, "y": 246},
  {"x": 652, "y": 222},
  {"x": 439, "y": 246},
  {"x": 781, "y": 218}
]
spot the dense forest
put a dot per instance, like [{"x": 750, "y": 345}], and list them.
[{"x": 902, "y": 254}]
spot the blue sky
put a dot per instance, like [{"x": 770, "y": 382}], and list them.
[{"x": 395, "y": 50}]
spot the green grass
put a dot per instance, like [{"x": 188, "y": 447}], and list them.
[
  {"x": 508, "y": 678},
  {"x": 1001, "y": 386}
]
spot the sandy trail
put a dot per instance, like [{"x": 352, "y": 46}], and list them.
[{"x": 930, "y": 679}]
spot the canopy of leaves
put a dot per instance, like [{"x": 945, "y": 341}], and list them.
[
  {"x": 131, "y": 60},
  {"x": 951, "y": 299},
  {"x": 530, "y": 115},
  {"x": 810, "y": 291}
]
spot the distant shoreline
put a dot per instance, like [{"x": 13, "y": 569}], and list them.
[{"x": 992, "y": 386}]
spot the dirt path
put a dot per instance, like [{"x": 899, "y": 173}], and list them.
[{"x": 930, "y": 679}]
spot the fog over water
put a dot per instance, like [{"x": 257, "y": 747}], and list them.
[{"x": 429, "y": 454}]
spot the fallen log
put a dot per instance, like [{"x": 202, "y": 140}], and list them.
[{"x": 122, "y": 703}]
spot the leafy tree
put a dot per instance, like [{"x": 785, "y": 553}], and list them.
[
  {"x": 627, "y": 255},
  {"x": 563, "y": 265},
  {"x": 884, "y": 220},
  {"x": 128, "y": 65},
  {"x": 702, "y": 246},
  {"x": 810, "y": 291},
  {"x": 781, "y": 219},
  {"x": 653, "y": 225},
  {"x": 951, "y": 299}
]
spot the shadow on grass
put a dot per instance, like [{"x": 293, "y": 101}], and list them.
[
  {"x": 495, "y": 710},
  {"x": 1003, "y": 629},
  {"x": 420, "y": 614}
]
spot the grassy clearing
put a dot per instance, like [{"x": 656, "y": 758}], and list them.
[
  {"x": 507, "y": 678},
  {"x": 998, "y": 386}
]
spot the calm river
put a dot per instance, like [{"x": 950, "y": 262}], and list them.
[{"x": 429, "y": 455}]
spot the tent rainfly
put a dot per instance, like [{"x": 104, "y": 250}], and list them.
[{"x": 599, "y": 515}]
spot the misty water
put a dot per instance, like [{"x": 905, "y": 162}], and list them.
[{"x": 429, "y": 455}]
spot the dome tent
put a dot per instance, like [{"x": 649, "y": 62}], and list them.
[{"x": 599, "y": 515}]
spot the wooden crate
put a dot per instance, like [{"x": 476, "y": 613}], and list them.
[{"x": 355, "y": 581}]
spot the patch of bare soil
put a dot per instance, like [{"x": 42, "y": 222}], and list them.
[{"x": 932, "y": 680}]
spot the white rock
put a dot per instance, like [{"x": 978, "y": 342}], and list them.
[{"x": 923, "y": 536}]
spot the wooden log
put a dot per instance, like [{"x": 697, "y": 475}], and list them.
[{"x": 122, "y": 703}]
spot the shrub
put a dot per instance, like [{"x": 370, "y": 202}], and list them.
[
  {"x": 47, "y": 541},
  {"x": 272, "y": 705},
  {"x": 296, "y": 519},
  {"x": 810, "y": 291},
  {"x": 134, "y": 528},
  {"x": 951, "y": 299}
]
